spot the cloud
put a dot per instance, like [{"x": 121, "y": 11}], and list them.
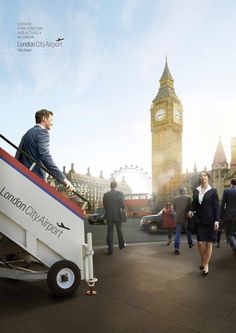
[
  {"x": 85, "y": 51},
  {"x": 129, "y": 12}
]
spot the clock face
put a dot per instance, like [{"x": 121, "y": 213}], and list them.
[
  {"x": 177, "y": 115},
  {"x": 160, "y": 115}
]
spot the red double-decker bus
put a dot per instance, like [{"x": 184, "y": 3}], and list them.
[{"x": 138, "y": 205}]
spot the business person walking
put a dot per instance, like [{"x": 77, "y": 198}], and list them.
[
  {"x": 228, "y": 213},
  {"x": 113, "y": 203},
  {"x": 205, "y": 207},
  {"x": 182, "y": 204}
]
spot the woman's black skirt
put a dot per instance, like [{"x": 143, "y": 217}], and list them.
[{"x": 206, "y": 233}]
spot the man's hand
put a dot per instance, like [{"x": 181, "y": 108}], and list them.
[{"x": 69, "y": 186}]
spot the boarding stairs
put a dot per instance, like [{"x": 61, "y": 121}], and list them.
[{"x": 39, "y": 225}]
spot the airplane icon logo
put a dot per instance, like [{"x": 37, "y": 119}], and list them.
[
  {"x": 63, "y": 226},
  {"x": 59, "y": 39}
]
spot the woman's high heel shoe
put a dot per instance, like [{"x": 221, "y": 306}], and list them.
[{"x": 205, "y": 271}]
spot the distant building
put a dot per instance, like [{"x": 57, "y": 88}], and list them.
[
  {"x": 93, "y": 188},
  {"x": 221, "y": 172},
  {"x": 167, "y": 127}
]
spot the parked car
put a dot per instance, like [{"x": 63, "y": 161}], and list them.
[
  {"x": 152, "y": 223},
  {"x": 97, "y": 217}
]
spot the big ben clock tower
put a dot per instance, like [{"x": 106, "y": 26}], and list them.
[{"x": 166, "y": 127}]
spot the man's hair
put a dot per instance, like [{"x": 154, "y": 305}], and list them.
[
  {"x": 113, "y": 184},
  {"x": 233, "y": 181},
  {"x": 182, "y": 190},
  {"x": 42, "y": 113}
]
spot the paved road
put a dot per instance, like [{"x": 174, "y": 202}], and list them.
[
  {"x": 132, "y": 233},
  {"x": 143, "y": 289}
]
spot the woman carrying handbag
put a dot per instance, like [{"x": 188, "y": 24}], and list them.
[{"x": 205, "y": 212}]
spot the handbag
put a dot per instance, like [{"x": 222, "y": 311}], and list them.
[
  {"x": 191, "y": 226},
  {"x": 123, "y": 215}
]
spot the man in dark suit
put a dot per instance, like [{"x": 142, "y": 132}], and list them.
[
  {"x": 35, "y": 143},
  {"x": 113, "y": 203},
  {"x": 228, "y": 213}
]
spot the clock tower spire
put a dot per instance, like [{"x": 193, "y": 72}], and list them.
[
  {"x": 166, "y": 127},
  {"x": 166, "y": 84}
]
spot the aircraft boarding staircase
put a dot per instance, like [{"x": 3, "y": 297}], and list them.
[{"x": 37, "y": 220}]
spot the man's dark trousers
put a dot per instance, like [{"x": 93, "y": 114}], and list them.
[
  {"x": 231, "y": 233},
  {"x": 110, "y": 227}
]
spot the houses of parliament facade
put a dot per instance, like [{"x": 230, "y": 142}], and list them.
[{"x": 167, "y": 128}]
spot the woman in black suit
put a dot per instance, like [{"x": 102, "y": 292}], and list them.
[{"x": 205, "y": 209}]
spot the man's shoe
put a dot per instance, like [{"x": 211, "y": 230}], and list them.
[
  {"x": 109, "y": 251},
  {"x": 168, "y": 243},
  {"x": 122, "y": 247},
  {"x": 190, "y": 246},
  {"x": 176, "y": 252}
]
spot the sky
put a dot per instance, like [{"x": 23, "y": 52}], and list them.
[{"x": 101, "y": 79}]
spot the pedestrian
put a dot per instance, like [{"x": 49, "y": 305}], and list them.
[
  {"x": 181, "y": 206},
  {"x": 168, "y": 220},
  {"x": 205, "y": 211},
  {"x": 113, "y": 204},
  {"x": 228, "y": 214},
  {"x": 35, "y": 143}
]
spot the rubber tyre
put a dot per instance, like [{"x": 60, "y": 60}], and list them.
[
  {"x": 63, "y": 269},
  {"x": 152, "y": 228}
]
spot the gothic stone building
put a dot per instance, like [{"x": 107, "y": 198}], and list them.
[
  {"x": 167, "y": 128},
  {"x": 93, "y": 188}
]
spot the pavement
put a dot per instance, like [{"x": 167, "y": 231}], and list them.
[{"x": 143, "y": 288}]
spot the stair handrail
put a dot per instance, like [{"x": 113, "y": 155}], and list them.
[{"x": 45, "y": 169}]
